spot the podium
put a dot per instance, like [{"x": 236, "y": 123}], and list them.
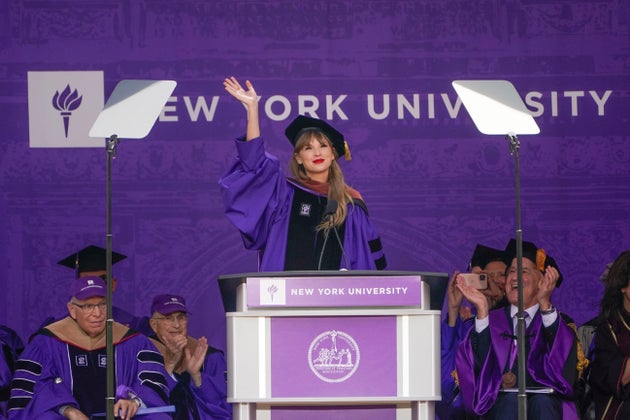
[{"x": 331, "y": 344}]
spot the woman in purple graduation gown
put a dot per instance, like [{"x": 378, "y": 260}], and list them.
[{"x": 309, "y": 222}]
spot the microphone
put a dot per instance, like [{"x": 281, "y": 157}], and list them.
[{"x": 331, "y": 209}]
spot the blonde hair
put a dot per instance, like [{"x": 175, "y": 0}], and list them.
[{"x": 337, "y": 188}]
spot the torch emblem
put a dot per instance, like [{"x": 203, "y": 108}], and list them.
[{"x": 66, "y": 102}]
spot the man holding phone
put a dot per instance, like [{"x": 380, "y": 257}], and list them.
[{"x": 485, "y": 263}]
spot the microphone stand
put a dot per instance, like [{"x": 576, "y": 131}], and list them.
[
  {"x": 321, "y": 254},
  {"x": 329, "y": 212},
  {"x": 343, "y": 251},
  {"x": 522, "y": 368}
]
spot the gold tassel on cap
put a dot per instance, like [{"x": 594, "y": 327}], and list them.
[{"x": 346, "y": 150}]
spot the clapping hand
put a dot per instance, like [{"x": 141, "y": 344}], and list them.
[
  {"x": 195, "y": 360},
  {"x": 174, "y": 351},
  {"x": 546, "y": 286}
]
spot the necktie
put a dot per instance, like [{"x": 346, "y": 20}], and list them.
[{"x": 509, "y": 378}]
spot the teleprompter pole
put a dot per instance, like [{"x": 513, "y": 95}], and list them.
[
  {"x": 520, "y": 335},
  {"x": 109, "y": 327}
]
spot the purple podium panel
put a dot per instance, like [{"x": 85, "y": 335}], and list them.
[
  {"x": 334, "y": 291},
  {"x": 344, "y": 356},
  {"x": 377, "y": 412}
]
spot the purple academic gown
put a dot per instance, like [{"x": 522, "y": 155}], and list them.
[
  {"x": 545, "y": 364},
  {"x": 450, "y": 407},
  {"x": 207, "y": 402},
  {"x": 258, "y": 197},
  {"x": 5, "y": 379},
  {"x": 10, "y": 348},
  {"x": 43, "y": 380}
]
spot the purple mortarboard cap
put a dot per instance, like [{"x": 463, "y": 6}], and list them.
[
  {"x": 88, "y": 287},
  {"x": 167, "y": 304}
]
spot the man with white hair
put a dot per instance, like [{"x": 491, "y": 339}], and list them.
[
  {"x": 62, "y": 371},
  {"x": 198, "y": 384}
]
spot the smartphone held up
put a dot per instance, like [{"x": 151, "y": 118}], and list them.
[{"x": 478, "y": 281}]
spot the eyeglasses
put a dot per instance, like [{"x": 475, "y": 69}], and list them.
[
  {"x": 172, "y": 318},
  {"x": 88, "y": 308}
]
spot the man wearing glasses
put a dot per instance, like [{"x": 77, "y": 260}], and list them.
[
  {"x": 91, "y": 261},
  {"x": 197, "y": 371},
  {"x": 62, "y": 371}
]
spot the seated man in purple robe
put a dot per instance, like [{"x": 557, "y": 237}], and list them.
[
  {"x": 90, "y": 261},
  {"x": 199, "y": 391},
  {"x": 487, "y": 360},
  {"x": 312, "y": 221},
  {"x": 456, "y": 314},
  {"x": 62, "y": 371}
]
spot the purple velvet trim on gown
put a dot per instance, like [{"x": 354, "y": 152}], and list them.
[{"x": 545, "y": 365}]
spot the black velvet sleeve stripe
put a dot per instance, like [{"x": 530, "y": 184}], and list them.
[
  {"x": 18, "y": 402},
  {"x": 375, "y": 245},
  {"x": 23, "y": 385},
  {"x": 153, "y": 377},
  {"x": 156, "y": 382},
  {"x": 29, "y": 366},
  {"x": 148, "y": 356},
  {"x": 381, "y": 263},
  {"x": 158, "y": 390},
  {"x": 213, "y": 350},
  {"x": 361, "y": 203}
]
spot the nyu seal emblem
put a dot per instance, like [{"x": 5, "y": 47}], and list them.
[
  {"x": 333, "y": 356},
  {"x": 305, "y": 209}
]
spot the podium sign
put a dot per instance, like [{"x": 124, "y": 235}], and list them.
[
  {"x": 353, "y": 344},
  {"x": 331, "y": 292}
]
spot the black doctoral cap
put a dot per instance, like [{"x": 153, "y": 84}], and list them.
[
  {"x": 536, "y": 255},
  {"x": 302, "y": 123},
  {"x": 483, "y": 255},
  {"x": 90, "y": 258}
]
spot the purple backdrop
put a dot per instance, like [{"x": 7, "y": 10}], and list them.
[{"x": 381, "y": 72}]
